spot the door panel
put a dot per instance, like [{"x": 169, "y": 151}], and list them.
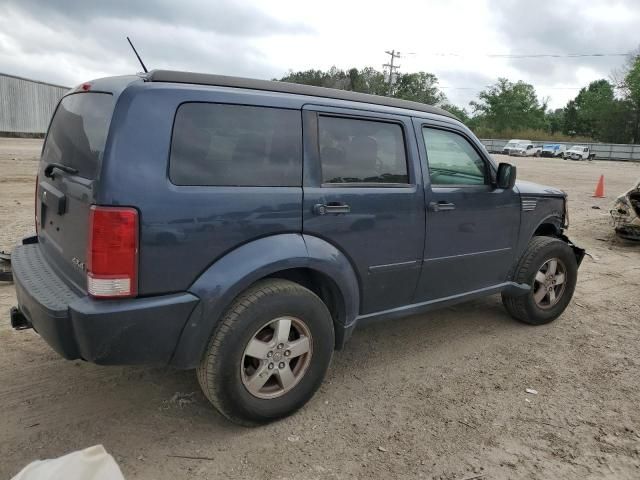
[
  {"x": 378, "y": 224},
  {"x": 471, "y": 227}
]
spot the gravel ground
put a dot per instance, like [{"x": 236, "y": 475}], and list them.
[{"x": 432, "y": 396}]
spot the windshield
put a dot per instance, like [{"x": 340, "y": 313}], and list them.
[
  {"x": 577, "y": 147},
  {"x": 78, "y": 132}
]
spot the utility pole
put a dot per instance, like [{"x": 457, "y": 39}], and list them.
[{"x": 391, "y": 67}]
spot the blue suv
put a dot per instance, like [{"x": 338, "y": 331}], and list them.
[{"x": 245, "y": 227}]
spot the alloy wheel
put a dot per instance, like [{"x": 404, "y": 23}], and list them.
[
  {"x": 277, "y": 357},
  {"x": 549, "y": 283}
]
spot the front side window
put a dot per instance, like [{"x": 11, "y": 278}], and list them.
[
  {"x": 236, "y": 145},
  {"x": 361, "y": 151},
  {"x": 452, "y": 160}
]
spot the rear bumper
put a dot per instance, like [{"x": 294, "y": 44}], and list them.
[{"x": 108, "y": 332}]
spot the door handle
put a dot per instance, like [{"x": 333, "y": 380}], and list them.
[
  {"x": 331, "y": 207},
  {"x": 441, "y": 206}
]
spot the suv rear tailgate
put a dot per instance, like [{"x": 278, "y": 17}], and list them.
[{"x": 70, "y": 164}]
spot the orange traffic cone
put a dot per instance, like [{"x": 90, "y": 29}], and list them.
[{"x": 599, "y": 193}]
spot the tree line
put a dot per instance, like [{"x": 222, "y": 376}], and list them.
[{"x": 607, "y": 110}]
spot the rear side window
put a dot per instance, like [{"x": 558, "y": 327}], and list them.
[
  {"x": 236, "y": 145},
  {"x": 78, "y": 132},
  {"x": 361, "y": 151}
]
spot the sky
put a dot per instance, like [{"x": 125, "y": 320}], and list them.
[{"x": 69, "y": 41}]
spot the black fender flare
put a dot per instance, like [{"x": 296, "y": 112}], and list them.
[{"x": 237, "y": 270}]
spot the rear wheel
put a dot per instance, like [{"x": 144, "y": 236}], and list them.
[
  {"x": 550, "y": 268},
  {"x": 269, "y": 353}
]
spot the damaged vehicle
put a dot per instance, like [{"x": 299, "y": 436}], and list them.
[
  {"x": 244, "y": 228},
  {"x": 626, "y": 214}
]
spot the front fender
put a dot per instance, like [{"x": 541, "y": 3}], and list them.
[{"x": 230, "y": 275}]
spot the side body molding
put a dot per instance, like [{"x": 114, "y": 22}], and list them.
[{"x": 233, "y": 273}]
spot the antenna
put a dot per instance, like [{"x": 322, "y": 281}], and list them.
[{"x": 136, "y": 52}]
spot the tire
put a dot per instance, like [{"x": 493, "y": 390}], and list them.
[
  {"x": 228, "y": 368},
  {"x": 539, "y": 255}
]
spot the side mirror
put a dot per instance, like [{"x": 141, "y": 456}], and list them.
[{"x": 506, "y": 177}]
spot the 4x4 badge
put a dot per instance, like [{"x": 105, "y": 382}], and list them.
[{"x": 78, "y": 264}]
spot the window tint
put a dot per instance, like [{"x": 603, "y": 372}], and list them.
[
  {"x": 452, "y": 159},
  {"x": 361, "y": 151},
  {"x": 215, "y": 144},
  {"x": 78, "y": 132}
]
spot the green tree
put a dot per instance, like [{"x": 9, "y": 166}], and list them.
[
  {"x": 368, "y": 80},
  {"x": 555, "y": 120},
  {"x": 594, "y": 105},
  {"x": 461, "y": 113},
  {"x": 507, "y": 105},
  {"x": 308, "y": 77},
  {"x": 419, "y": 87},
  {"x": 631, "y": 90},
  {"x": 570, "y": 122}
]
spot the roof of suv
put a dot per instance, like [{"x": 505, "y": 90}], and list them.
[{"x": 172, "y": 76}]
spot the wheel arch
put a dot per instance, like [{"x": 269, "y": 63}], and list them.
[
  {"x": 549, "y": 227},
  {"x": 309, "y": 261}
]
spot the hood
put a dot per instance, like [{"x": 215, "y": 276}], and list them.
[{"x": 530, "y": 188}]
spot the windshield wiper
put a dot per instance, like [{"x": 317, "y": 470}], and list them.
[{"x": 48, "y": 171}]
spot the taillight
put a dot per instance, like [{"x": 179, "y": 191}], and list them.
[{"x": 112, "y": 259}]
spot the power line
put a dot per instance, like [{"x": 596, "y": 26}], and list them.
[
  {"x": 527, "y": 55},
  {"x": 489, "y": 86},
  {"x": 391, "y": 67}
]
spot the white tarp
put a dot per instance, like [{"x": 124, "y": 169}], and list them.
[{"x": 93, "y": 463}]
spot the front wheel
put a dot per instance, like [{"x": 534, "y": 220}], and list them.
[
  {"x": 269, "y": 353},
  {"x": 549, "y": 266}
]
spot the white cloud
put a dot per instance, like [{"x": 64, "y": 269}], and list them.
[{"x": 69, "y": 41}]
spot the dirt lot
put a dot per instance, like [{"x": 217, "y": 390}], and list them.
[{"x": 434, "y": 396}]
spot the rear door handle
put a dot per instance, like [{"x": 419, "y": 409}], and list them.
[
  {"x": 441, "y": 206},
  {"x": 331, "y": 207}
]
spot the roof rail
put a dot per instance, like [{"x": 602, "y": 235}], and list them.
[{"x": 172, "y": 76}]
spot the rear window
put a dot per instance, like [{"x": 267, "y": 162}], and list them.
[
  {"x": 236, "y": 145},
  {"x": 78, "y": 132}
]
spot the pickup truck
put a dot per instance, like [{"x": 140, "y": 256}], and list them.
[
  {"x": 579, "y": 152},
  {"x": 513, "y": 144},
  {"x": 553, "y": 150},
  {"x": 525, "y": 150}
]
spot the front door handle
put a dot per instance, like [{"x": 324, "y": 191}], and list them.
[
  {"x": 441, "y": 206},
  {"x": 331, "y": 207}
]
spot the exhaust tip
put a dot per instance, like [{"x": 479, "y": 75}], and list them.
[{"x": 18, "y": 320}]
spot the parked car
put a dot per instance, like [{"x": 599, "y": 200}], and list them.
[
  {"x": 626, "y": 214},
  {"x": 525, "y": 150},
  {"x": 553, "y": 150},
  {"x": 515, "y": 143},
  {"x": 579, "y": 152},
  {"x": 278, "y": 202}
]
